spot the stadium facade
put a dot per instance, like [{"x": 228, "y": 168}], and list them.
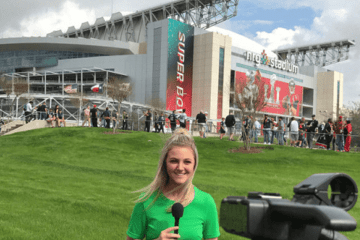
[{"x": 182, "y": 64}]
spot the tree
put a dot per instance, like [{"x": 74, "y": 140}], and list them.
[
  {"x": 250, "y": 100},
  {"x": 118, "y": 89}
]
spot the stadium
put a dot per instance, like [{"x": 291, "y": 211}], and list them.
[{"x": 166, "y": 53}]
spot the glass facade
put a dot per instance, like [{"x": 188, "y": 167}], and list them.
[{"x": 12, "y": 60}]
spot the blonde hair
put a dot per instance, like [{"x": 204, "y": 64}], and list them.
[{"x": 181, "y": 138}]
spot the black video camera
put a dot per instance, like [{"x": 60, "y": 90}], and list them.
[{"x": 310, "y": 215}]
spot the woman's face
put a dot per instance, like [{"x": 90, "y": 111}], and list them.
[{"x": 180, "y": 164}]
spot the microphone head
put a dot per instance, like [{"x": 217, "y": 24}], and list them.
[{"x": 177, "y": 210}]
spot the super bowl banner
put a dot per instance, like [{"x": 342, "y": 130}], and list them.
[
  {"x": 180, "y": 66},
  {"x": 280, "y": 97}
]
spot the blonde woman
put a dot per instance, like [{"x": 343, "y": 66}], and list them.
[
  {"x": 87, "y": 116},
  {"x": 151, "y": 216}
]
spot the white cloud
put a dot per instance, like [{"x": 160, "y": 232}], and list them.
[
  {"x": 69, "y": 15},
  {"x": 335, "y": 23}
]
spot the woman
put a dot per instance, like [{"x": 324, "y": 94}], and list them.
[
  {"x": 222, "y": 128},
  {"x": 301, "y": 132},
  {"x": 87, "y": 116},
  {"x": 56, "y": 114},
  {"x": 347, "y": 135},
  {"x": 321, "y": 141},
  {"x": 152, "y": 218}
]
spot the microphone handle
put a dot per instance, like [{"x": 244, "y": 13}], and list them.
[{"x": 176, "y": 224}]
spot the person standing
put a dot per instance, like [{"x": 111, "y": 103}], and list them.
[
  {"x": 172, "y": 117},
  {"x": 125, "y": 120},
  {"x": 161, "y": 121},
  {"x": 280, "y": 132},
  {"x": 339, "y": 127},
  {"x": 347, "y": 134},
  {"x": 156, "y": 122},
  {"x": 222, "y": 128},
  {"x": 56, "y": 114},
  {"x": 230, "y": 124},
  {"x": 311, "y": 127},
  {"x": 106, "y": 116},
  {"x": 86, "y": 116},
  {"x": 28, "y": 111},
  {"x": 329, "y": 133},
  {"x": 257, "y": 127},
  {"x": 301, "y": 133},
  {"x": 266, "y": 130},
  {"x": 247, "y": 127},
  {"x": 151, "y": 216},
  {"x": 94, "y": 115},
  {"x": 61, "y": 119},
  {"x": 182, "y": 119},
  {"x": 148, "y": 120},
  {"x": 274, "y": 131},
  {"x": 294, "y": 132},
  {"x": 201, "y": 121}
]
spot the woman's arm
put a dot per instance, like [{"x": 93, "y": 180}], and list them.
[{"x": 208, "y": 239}]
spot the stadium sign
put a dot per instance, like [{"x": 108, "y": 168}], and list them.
[{"x": 265, "y": 60}]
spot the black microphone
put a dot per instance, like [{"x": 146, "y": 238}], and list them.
[{"x": 177, "y": 211}]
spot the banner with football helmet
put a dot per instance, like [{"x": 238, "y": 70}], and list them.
[{"x": 283, "y": 98}]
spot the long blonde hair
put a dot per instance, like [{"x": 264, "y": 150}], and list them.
[{"x": 180, "y": 138}]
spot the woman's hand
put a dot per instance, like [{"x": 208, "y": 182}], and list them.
[{"x": 166, "y": 235}]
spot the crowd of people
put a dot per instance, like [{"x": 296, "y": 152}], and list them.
[
  {"x": 42, "y": 112},
  {"x": 301, "y": 133}
]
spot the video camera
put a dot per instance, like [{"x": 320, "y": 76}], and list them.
[{"x": 310, "y": 215}]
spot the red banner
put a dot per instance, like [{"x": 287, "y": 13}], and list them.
[{"x": 281, "y": 97}]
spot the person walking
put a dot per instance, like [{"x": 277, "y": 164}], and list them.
[
  {"x": 339, "y": 137},
  {"x": 1, "y": 123},
  {"x": 329, "y": 133},
  {"x": 172, "y": 117},
  {"x": 182, "y": 119},
  {"x": 311, "y": 128},
  {"x": 294, "y": 132},
  {"x": 161, "y": 122},
  {"x": 94, "y": 115},
  {"x": 257, "y": 127},
  {"x": 230, "y": 124},
  {"x": 280, "y": 133},
  {"x": 222, "y": 128},
  {"x": 347, "y": 134},
  {"x": 61, "y": 118},
  {"x": 266, "y": 130},
  {"x": 42, "y": 111},
  {"x": 86, "y": 116},
  {"x": 201, "y": 121}
]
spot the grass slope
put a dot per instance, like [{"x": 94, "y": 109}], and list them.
[{"x": 75, "y": 183}]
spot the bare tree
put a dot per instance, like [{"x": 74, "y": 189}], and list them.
[
  {"x": 250, "y": 100},
  {"x": 118, "y": 90},
  {"x": 158, "y": 105},
  {"x": 78, "y": 100}
]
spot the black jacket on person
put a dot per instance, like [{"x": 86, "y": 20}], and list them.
[
  {"x": 230, "y": 120},
  {"x": 93, "y": 113},
  {"x": 105, "y": 114},
  {"x": 201, "y": 118},
  {"x": 267, "y": 123},
  {"x": 172, "y": 117},
  {"x": 312, "y": 125}
]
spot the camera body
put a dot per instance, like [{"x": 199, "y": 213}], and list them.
[{"x": 310, "y": 215}]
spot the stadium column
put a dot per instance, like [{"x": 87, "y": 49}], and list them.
[
  {"x": 63, "y": 79},
  {"x": 45, "y": 84}
]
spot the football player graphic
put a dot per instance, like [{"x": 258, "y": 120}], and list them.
[
  {"x": 251, "y": 90},
  {"x": 291, "y": 103}
]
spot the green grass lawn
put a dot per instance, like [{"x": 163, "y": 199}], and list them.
[{"x": 75, "y": 183}]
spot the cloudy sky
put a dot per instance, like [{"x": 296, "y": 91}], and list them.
[{"x": 272, "y": 23}]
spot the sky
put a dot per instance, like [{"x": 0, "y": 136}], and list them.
[{"x": 272, "y": 23}]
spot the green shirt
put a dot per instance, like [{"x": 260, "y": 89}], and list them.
[{"x": 200, "y": 218}]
